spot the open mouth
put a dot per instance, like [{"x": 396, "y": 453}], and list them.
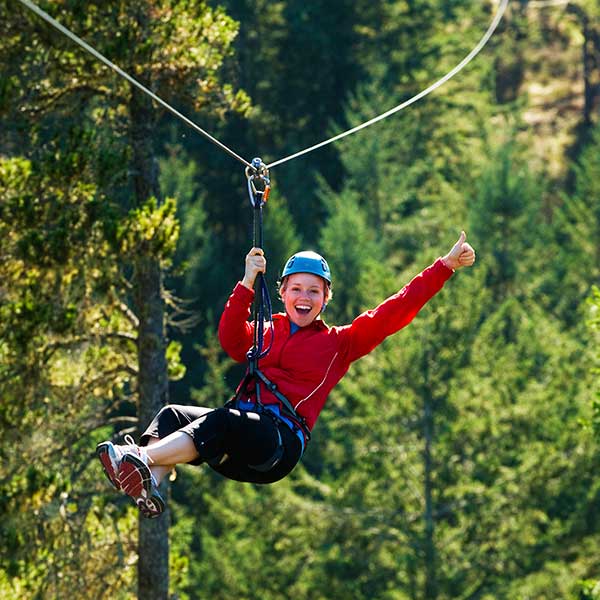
[{"x": 303, "y": 310}]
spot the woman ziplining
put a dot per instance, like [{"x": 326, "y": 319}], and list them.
[{"x": 261, "y": 434}]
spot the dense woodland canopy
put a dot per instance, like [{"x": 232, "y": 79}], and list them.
[{"x": 460, "y": 460}]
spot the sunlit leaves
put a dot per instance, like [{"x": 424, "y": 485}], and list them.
[{"x": 150, "y": 230}]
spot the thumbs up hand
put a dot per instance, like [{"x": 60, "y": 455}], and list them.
[{"x": 461, "y": 255}]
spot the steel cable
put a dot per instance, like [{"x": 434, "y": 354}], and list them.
[
  {"x": 494, "y": 24},
  {"x": 422, "y": 94}
]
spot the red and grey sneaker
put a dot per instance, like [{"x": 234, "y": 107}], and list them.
[
  {"x": 126, "y": 467},
  {"x": 111, "y": 455},
  {"x": 138, "y": 482}
]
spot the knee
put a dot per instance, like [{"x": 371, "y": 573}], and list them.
[
  {"x": 217, "y": 424},
  {"x": 171, "y": 417},
  {"x": 218, "y": 419},
  {"x": 167, "y": 412}
]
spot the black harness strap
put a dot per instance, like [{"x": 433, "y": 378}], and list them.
[
  {"x": 258, "y": 190},
  {"x": 250, "y": 384},
  {"x": 286, "y": 406}
]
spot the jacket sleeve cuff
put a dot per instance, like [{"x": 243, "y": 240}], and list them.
[
  {"x": 242, "y": 293},
  {"x": 442, "y": 266}
]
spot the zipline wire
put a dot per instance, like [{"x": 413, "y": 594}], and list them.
[
  {"x": 498, "y": 16},
  {"x": 36, "y": 9},
  {"x": 431, "y": 88}
]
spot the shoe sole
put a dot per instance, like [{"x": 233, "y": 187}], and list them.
[
  {"x": 134, "y": 477},
  {"x": 151, "y": 507},
  {"x": 136, "y": 481},
  {"x": 103, "y": 453}
]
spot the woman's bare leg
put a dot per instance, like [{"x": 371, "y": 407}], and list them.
[
  {"x": 164, "y": 454},
  {"x": 159, "y": 471}
]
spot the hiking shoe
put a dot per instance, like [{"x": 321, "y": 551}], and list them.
[
  {"x": 111, "y": 456},
  {"x": 126, "y": 467}
]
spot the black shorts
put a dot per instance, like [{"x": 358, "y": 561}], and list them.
[{"x": 233, "y": 442}]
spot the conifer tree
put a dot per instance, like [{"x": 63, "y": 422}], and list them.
[
  {"x": 68, "y": 100},
  {"x": 576, "y": 234}
]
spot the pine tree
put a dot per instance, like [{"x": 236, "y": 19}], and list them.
[
  {"x": 575, "y": 236},
  {"x": 102, "y": 132}
]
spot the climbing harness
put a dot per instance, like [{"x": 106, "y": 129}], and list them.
[{"x": 480, "y": 45}]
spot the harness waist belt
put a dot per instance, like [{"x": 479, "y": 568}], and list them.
[{"x": 286, "y": 407}]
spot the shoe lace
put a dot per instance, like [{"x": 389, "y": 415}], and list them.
[{"x": 141, "y": 449}]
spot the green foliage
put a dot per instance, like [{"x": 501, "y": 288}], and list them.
[
  {"x": 357, "y": 277},
  {"x": 150, "y": 230},
  {"x": 74, "y": 221},
  {"x": 449, "y": 463},
  {"x": 578, "y": 231},
  {"x": 590, "y": 590},
  {"x": 67, "y": 361},
  {"x": 173, "y": 355},
  {"x": 214, "y": 390},
  {"x": 594, "y": 327},
  {"x": 177, "y": 180},
  {"x": 505, "y": 207}
]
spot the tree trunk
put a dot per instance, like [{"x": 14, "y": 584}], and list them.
[
  {"x": 589, "y": 61},
  {"x": 430, "y": 587},
  {"x": 153, "y": 550}
]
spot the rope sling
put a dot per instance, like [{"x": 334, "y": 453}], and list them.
[{"x": 259, "y": 186}]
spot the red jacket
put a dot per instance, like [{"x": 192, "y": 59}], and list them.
[{"x": 308, "y": 364}]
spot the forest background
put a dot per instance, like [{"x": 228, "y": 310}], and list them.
[{"x": 457, "y": 461}]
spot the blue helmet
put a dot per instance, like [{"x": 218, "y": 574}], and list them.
[{"x": 307, "y": 262}]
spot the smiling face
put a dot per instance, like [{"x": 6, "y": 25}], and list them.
[{"x": 303, "y": 296}]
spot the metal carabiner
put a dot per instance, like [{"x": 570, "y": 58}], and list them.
[{"x": 259, "y": 183}]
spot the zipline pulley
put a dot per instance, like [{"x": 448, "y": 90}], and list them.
[{"x": 259, "y": 183}]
